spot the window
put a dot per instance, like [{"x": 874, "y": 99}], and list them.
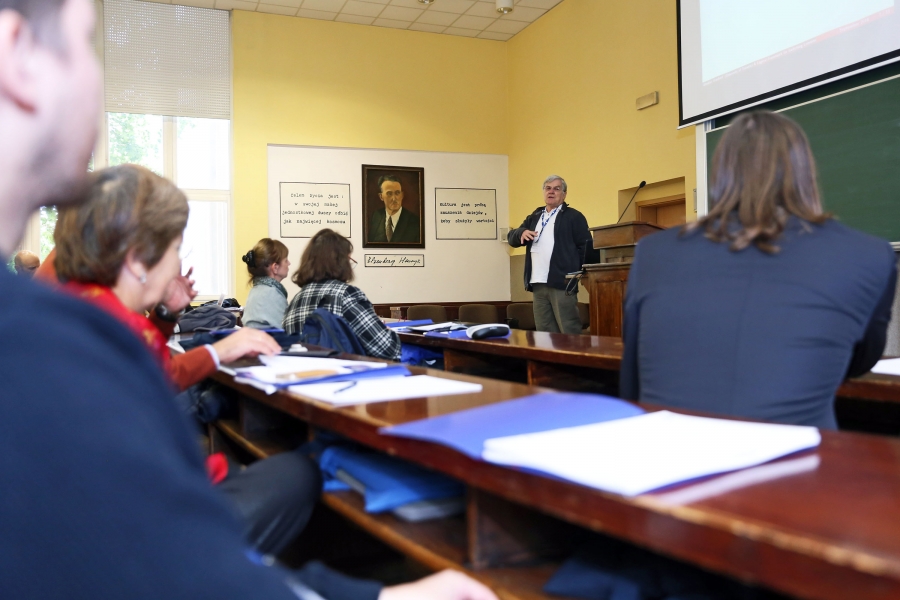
[
  {"x": 168, "y": 93},
  {"x": 196, "y": 154}
]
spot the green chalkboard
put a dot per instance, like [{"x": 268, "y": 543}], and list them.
[{"x": 855, "y": 137}]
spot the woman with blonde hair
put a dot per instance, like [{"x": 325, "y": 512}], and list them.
[
  {"x": 268, "y": 265},
  {"x": 765, "y": 305}
]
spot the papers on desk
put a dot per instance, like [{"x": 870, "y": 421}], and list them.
[
  {"x": 635, "y": 455},
  {"x": 286, "y": 371},
  {"x": 447, "y": 326},
  {"x": 887, "y": 366},
  {"x": 382, "y": 389}
]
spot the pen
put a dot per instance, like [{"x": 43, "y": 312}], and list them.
[{"x": 345, "y": 388}]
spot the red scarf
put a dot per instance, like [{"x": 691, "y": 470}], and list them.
[{"x": 104, "y": 298}]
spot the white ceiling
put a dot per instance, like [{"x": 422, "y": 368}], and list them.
[{"x": 468, "y": 18}]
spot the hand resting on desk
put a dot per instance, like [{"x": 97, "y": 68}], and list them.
[
  {"x": 446, "y": 585},
  {"x": 245, "y": 342}
]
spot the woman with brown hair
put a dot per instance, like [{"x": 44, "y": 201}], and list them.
[
  {"x": 326, "y": 268},
  {"x": 268, "y": 265},
  {"x": 119, "y": 251},
  {"x": 762, "y": 307}
]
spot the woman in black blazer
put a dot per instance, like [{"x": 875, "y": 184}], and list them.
[{"x": 761, "y": 308}]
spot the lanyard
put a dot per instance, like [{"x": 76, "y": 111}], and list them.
[{"x": 544, "y": 223}]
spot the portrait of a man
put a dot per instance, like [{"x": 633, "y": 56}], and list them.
[{"x": 393, "y": 203}]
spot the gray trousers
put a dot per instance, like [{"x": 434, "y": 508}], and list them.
[{"x": 554, "y": 311}]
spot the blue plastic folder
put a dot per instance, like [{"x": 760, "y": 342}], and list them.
[
  {"x": 389, "y": 482},
  {"x": 467, "y": 430},
  {"x": 409, "y": 323}
]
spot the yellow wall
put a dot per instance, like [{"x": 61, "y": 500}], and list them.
[
  {"x": 557, "y": 98},
  {"x": 574, "y": 76},
  {"x": 308, "y": 82}
]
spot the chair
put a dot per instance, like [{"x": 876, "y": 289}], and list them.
[
  {"x": 523, "y": 313},
  {"x": 478, "y": 313},
  {"x": 419, "y": 312},
  {"x": 584, "y": 311}
]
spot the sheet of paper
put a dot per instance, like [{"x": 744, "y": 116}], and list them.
[
  {"x": 432, "y": 327},
  {"x": 385, "y": 388},
  {"x": 887, "y": 366},
  {"x": 280, "y": 370},
  {"x": 638, "y": 454}
]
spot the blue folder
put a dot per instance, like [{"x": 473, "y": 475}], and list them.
[
  {"x": 409, "y": 323},
  {"x": 389, "y": 482},
  {"x": 356, "y": 375},
  {"x": 467, "y": 430}
]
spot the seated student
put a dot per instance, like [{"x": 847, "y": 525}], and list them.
[
  {"x": 110, "y": 252},
  {"x": 119, "y": 251},
  {"x": 325, "y": 270},
  {"x": 761, "y": 308},
  {"x": 268, "y": 265},
  {"x": 26, "y": 263}
]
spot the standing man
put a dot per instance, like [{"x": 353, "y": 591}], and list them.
[
  {"x": 105, "y": 495},
  {"x": 556, "y": 236},
  {"x": 26, "y": 263},
  {"x": 393, "y": 223}
]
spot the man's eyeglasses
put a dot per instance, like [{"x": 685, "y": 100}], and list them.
[{"x": 353, "y": 263}]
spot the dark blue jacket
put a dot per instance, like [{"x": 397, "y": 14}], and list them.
[
  {"x": 104, "y": 493},
  {"x": 572, "y": 244},
  {"x": 756, "y": 335}
]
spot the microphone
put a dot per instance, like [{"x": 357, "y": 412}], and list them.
[{"x": 643, "y": 183}]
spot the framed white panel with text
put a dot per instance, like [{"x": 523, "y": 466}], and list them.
[{"x": 470, "y": 268}]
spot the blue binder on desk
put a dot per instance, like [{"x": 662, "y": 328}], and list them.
[{"x": 467, "y": 430}]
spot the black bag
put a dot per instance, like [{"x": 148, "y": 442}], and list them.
[{"x": 207, "y": 318}]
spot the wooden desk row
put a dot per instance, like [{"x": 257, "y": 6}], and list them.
[
  {"x": 582, "y": 362},
  {"x": 831, "y": 530}
]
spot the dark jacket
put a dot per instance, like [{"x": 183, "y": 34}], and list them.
[
  {"x": 407, "y": 227},
  {"x": 756, "y": 335},
  {"x": 105, "y": 493},
  {"x": 572, "y": 244}
]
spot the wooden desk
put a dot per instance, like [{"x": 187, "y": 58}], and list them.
[
  {"x": 831, "y": 532},
  {"x": 582, "y": 362}
]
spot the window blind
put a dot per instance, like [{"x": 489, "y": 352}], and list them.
[{"x": 164, "y": 59}]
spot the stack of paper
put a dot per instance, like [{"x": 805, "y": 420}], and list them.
[
  {"x": 285, "y": 371},
  {"x": 382, "y": 389},
  {"x": 638, "y": 454}
]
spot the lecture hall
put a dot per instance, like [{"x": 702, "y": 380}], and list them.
[{"x": 297, "y": 303}]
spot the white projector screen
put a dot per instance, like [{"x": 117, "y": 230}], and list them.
[{"x": 737, "y": 53}]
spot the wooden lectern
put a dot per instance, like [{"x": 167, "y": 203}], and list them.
[{"x": 606, "y": 280}]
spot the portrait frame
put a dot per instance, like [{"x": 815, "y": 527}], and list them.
[{"x": 411, "y": 228}]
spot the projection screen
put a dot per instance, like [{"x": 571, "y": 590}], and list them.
[{"x": 737, "y": 53}]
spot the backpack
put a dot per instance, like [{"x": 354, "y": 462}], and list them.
[{"x": 324, "y": 328}]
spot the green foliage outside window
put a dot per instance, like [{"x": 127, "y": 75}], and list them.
[{"x": 136, "y": 139}]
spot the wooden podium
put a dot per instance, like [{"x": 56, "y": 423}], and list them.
[{"x": 606, "y": 280}]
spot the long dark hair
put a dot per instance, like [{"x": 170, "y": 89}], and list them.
[
  {"x": 763, "y": 172},
  {"x": 327, "y": 256}
]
